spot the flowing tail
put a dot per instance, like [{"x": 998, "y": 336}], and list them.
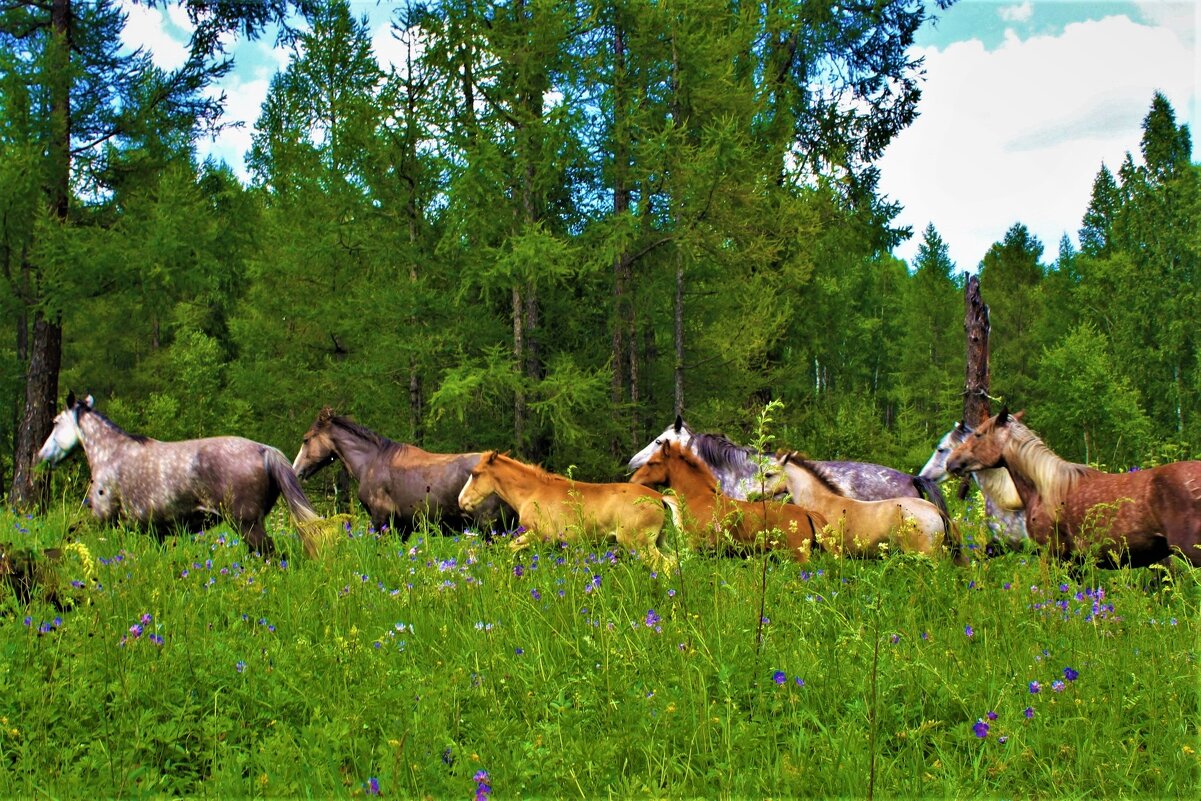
[
  {"x": 309, "y": 524},
  {"x": 930, "y": 491}
]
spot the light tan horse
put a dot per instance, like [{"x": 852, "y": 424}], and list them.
[
  {"x": 554, "y": 507},
  {"x": 719, "y": 523},
  {"x": 859, "y": 528}
]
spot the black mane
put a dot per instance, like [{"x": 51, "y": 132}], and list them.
[
  {"x": 113, "y": 426},
  {"x": 815, "y": 471},
  {"x": 720, "y": 450},
  {"x": 378, "y": 440}
]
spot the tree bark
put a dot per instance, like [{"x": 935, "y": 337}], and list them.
[
  {"x": 976, "y": 407},
  {"x": 45, "y": 345}
]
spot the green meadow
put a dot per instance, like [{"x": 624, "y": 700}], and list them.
[{"x": 446, "y": 667}]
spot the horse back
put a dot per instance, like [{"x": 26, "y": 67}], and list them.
[{"x": 166, "y": 479}]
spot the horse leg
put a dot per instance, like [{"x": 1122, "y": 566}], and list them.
[{"x": 255, "y": 534}]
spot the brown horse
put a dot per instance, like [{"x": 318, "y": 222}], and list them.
[
  {"x": 718, "y": 522},
  {"x": 858, "y": 528},
  {"x": 160, "y": 485},
  {"x": 1135, "y": 518},
  {"x": 553, "y": 507},
  {"x": 398, "y": 483}
]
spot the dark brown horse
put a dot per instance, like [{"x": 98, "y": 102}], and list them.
[
  {"x": 191, "y": 483},
  {"x": 1135, "y": 518},
  {"x": 398, "y": 483}
]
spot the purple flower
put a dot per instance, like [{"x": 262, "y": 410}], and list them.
[
  {"x": 652, "y": 618},
  {"x": 980, "y": 729},
  {"x": 968, "y": 631},
  {"x": 519, "y": 650},
  {"x": 1069, "y": 674},
  {"x": 146, "y": 618},
  {"x": 800, "y": 682},
  {"x": 1004, "y": 738},
  {"x": 779, "y": 677},
  {"x": 518, "y": 571},
  {"x": 1028, "y": 712},
  {"x": 157, "y": 639},
  {"x": 1035, "y": 687},
  {"x": 991, "y": 715},
  {"x": 482, "y": 788},
  {"x": 896, "y": 638},
  {"x": 1057, "y": 686},
  {"x": 240, "y": 666},
  {"x": 373, "y": 786},
  {"x": 537, "y": 596}
]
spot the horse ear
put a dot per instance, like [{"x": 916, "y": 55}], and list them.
[
  {"x": 325, "y": 415},
  {"x": 491, "y": 457},
  {"x": 1019, "y": 415},
  {"x": 1003, "y": 417},
  {"x": 679, "y": 426},
  {"x": 71, "y": 399},
  {"x": 89, "y": 401}
]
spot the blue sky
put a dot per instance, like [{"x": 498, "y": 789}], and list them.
[{"x": 1022, "y": 103}]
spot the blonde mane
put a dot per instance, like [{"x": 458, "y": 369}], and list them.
[
  {"x": 536, "y": 471},
  {"x": 1053, "y": 476}
]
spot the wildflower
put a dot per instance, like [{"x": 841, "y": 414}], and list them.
[
  {"x": 537, "y": 596},
  {"x": 240, "y": 666},
  {"x": 779, "y": 677},
  {"x": 968, "y": 631},
  {"x": 482, "y": 788},
  {"x": 373, "y": 786},
  {"x": 1004, "y": 738},
  {"x": 1028, "y": 712},
  {"x": 146, "y": 618},
  {"x": 800, "y": 682},
  {"x": 991, "y": 715},
  {"x": 1057, "y": 686},
  {"x": 980, "y": 729},
  {"x": 895, "y": 638},
  {"x": 518, "y": 571},
  {"x": 1035, "y": 687},
  {"x": 58, "y": 621},
  {"x": 652, "y": 618},
  {"x": 519, "y": 650},
  {"x": 1069, "y": 674},
  {"x": 925, "y": 635},
  {"x": 157, "y": 639}
]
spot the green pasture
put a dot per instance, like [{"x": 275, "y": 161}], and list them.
[{"x": 194, "y": 668}]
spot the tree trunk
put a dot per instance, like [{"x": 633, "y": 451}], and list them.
[
  {"x": 679, "y": 335},
  {"x": 45, "y": 346},
  {"x": 976, "y": 407}
]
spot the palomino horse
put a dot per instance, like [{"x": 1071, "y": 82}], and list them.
[
  {"x": 717, "y": 522},
  {"x": 163, "y": 484},
  {"x": 553, "y": 507},
  {"x": 1002, "y": 504},
  {"x": 1135, "y": 518},
  {"x": 398, "y": 482},
  {"x": 737, "y": 468},
  {"x": 859, "y": 528}
]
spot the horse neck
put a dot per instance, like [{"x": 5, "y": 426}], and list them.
[
  {"x": 818, "y": 493},
  {"x": 997, "y": 485},
  {"x": 354, "y": 448},
  {"x": 691, "y": 483},
  {"x": 1032, "y": 463},
  {"x": 512, "y": 480},
  {"x": 102, "y": 441}
]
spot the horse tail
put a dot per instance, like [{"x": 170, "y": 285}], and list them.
[
  {"x": 673, "y": 506},
  {"x": 304, "y": 516},
  {"x": 929, "y": 490}
]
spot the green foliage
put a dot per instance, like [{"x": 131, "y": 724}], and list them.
[{"x": 193, "y": 668}]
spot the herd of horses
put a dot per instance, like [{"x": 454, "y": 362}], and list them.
[{"x": 720, "y": 496}]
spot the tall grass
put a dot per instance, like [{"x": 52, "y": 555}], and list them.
[{"x": 410, "y": 668}]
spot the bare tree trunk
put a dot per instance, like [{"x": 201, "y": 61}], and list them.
[
  {"x": 45, "y": 346},
  {"x": 679, "y": 335},
  {"x": 976, "y": 407}
]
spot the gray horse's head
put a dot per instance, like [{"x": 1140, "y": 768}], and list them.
[
  {"x": 66, "y": 434},
  {"x": 936, "y": 468},
  {"x": 676, "y": 432}
]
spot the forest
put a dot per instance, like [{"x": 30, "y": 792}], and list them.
[{"x": 558, "y": 225}]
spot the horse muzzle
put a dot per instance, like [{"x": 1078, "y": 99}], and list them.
[{"x": 958, "y": 465}]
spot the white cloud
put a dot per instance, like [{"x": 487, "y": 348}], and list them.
[
  {"x": 1182, "y": 17},
  {"x": 1018, "y": 13},
  {"x": 1018, "y": 133},
  {"x": 243, "y": 103},
  {"x": 148, "y": 29}
]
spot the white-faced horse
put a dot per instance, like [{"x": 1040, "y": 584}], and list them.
[
  {"x": 160, "y": 485},
  {"x": 1006, "y": 516}
]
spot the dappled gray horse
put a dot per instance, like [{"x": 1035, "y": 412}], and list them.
[
  {"x": 191, "y": 483},
  {"x": 737, "y": 469},
  {"x": 1006, "y": 517}
]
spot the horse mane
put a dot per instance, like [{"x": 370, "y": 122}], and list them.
[
  {"x": 359, "y": 430},
  {"x": 720, "y": 450},
  {"x": 539, "y": 472},
  {"x": 139, "y": 438},
  {"x": 799, "y": 459},
  {"x": 1052, "y": 475}
]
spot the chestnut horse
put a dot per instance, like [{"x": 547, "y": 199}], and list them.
[
  {"x": 157, "y": 484},
  {"x": 398, "y": 483},
  {"x": 1135, "y": 518},
  {"x": 717, "y": 522},
  {"x": 554, "y": 507}
]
